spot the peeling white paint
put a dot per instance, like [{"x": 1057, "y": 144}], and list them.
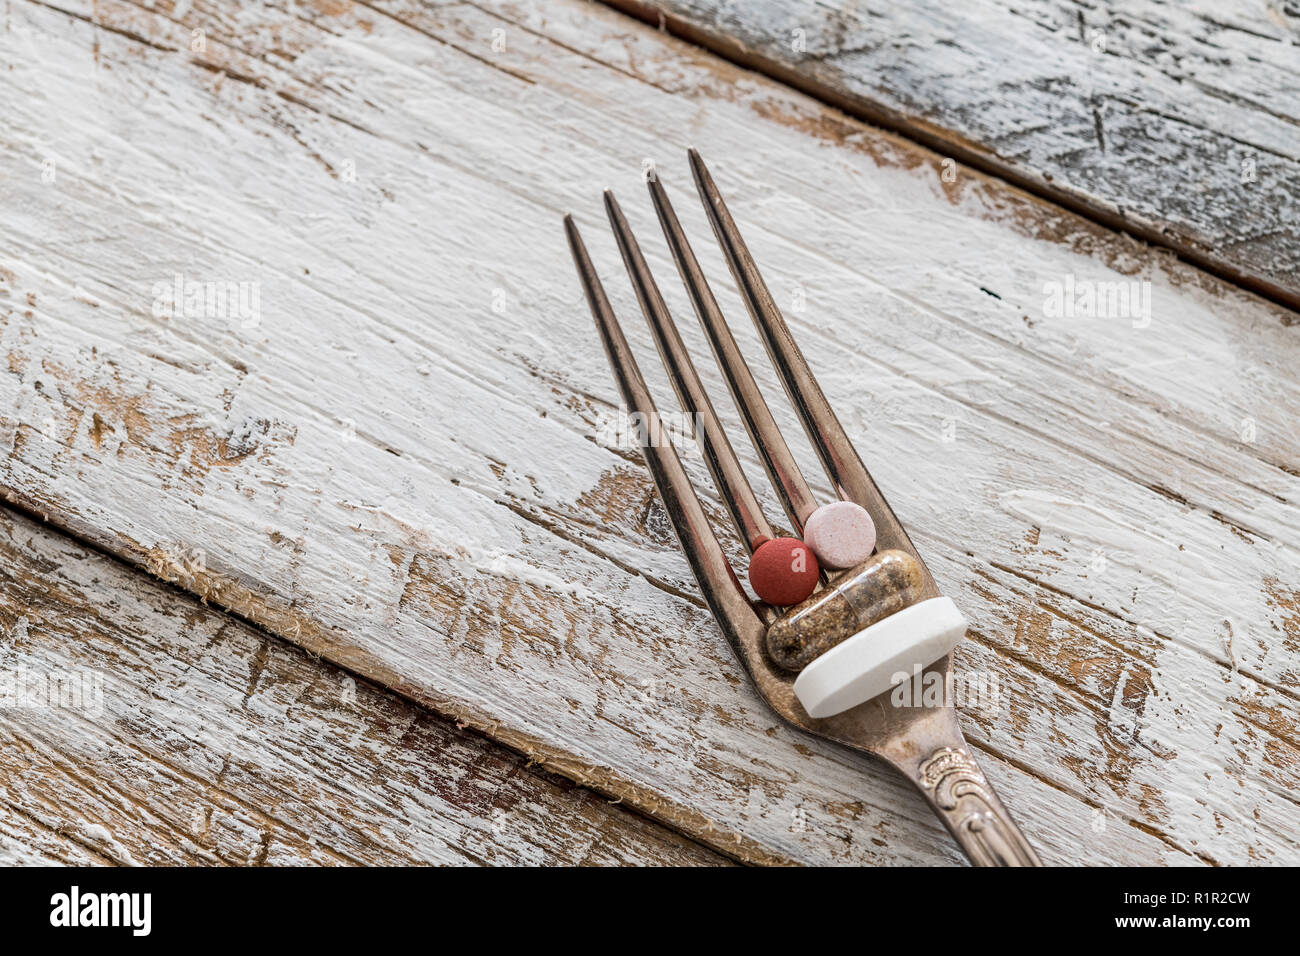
[{"x": 411, "y": 421}]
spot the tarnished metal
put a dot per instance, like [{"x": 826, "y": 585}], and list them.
[{"x": 923, "y": 742}]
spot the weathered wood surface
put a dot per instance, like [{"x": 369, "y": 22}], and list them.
[
  {"x": 180, "y": 735},
  {"x": 405, "y": 466},
  {"x": 1177, "y": 122}
]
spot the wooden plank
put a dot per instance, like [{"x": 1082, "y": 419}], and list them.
[
  {"x": 1174, "y": 122},
  {"x": 406, "y": 466},
  {"x": 180, "y": 735}
]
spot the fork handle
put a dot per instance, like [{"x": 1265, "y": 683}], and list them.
[
  {"x": 929, "y": 749},
  {"x": 955, "y": 787}
]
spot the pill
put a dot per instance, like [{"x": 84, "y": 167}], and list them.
[
  {"x": 877, "y": 588},
  {"x": 841, "y": 534},
  {"x": 783, "y": 571}
]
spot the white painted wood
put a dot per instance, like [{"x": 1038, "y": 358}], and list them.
[
  {"x": 407, "y": 467},
  {"x": 1174, "y": 121},
  {"x": 182, "y": 736}
]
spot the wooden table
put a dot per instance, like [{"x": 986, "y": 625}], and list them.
[{"x": 360, "y": 572}]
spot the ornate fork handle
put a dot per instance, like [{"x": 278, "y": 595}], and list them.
[
  {"x": 928, "y": 748},
  {"x": 953, "y": 784}
]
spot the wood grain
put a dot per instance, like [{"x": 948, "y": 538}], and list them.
[
  {"x": 1177, "y": 123},
  {"x": 184, "y": 736},
  {"x": 406, "y": 466}
]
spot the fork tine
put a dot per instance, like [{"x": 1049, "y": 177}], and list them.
[
  {"x": 787, "y": 479},
  {"x": 840, "y": 459},
  {"x": 719, "y": 455},
  {"x": 712, "y": 571}
]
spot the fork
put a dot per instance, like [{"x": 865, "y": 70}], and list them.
[{"x": 924, "y": 743}]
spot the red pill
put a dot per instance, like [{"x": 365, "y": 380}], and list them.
[{"x": 783, "y": 571}]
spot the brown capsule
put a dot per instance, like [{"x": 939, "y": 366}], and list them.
[{"x": 887, "y": 582}]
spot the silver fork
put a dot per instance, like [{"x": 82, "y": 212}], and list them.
[{"x": 924, "y": 743}]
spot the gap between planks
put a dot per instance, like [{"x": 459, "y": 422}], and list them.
[
  {"x": 66, "y": 836},
  {"x": 950, "y": 143}
]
